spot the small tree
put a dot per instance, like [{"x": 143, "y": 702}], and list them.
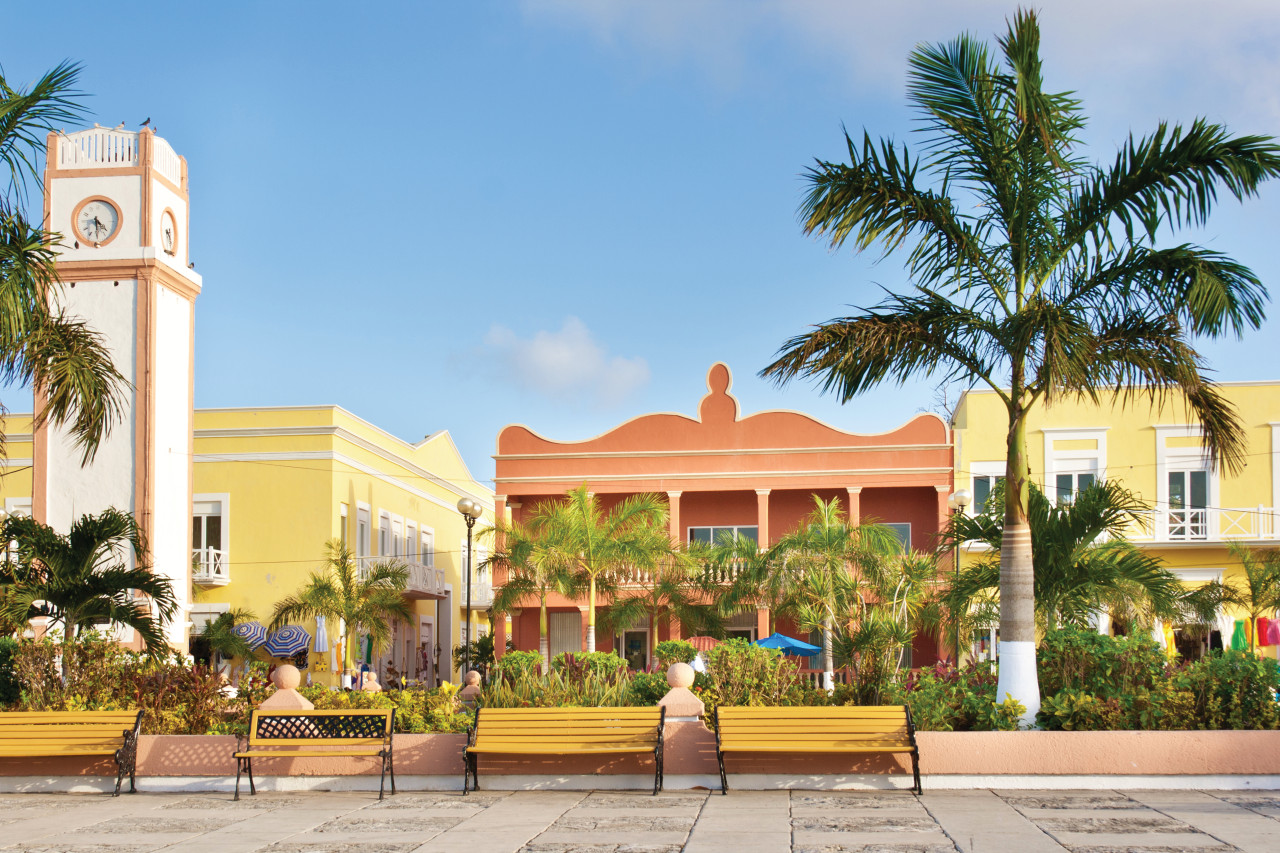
[
  {"x": 90, "y": 575},
  {"x": 532, "y": 571},
  {"x": 1082, "y": 563},
  {"x": 354, "y": 599},
  {"x": 582, "y": 537},
  {"x": 675, "y": 588},
  {"x": 1260, "y": 592}
]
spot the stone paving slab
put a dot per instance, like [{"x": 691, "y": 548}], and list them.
[{"x": 634, "y": 822}]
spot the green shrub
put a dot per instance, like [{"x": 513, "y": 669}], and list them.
[
  {"x": 647, "y": 688},
  {"x": 516, "y": 664},
  {"x": 740, "y": 673},
  {"x": 1233, "y": 690},
  {"x": 571, "y": 687},
  {"x": 674, "y": 651},
  {"x": 600, "y": 663},
  {"x": 945, "y": 699},
  {"x": 10, "y": 689},
  {"x": 1098, "y": 665}
]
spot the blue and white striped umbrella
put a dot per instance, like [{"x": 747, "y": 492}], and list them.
[
  {"x": 288, "y": 641},
  {"x": 252, "y": 633}
]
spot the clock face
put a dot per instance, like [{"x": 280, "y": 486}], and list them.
[
  {"x": 168, "y": 233},
  {"x": 97, "y": 221}
]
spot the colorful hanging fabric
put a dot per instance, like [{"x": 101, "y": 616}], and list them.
[
  {"x": 1239, "y": 641},
  {"x": 1268, "y": 631},
  {"x": 1170, "y": 645}
]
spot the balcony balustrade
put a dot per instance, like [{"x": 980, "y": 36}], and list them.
[
  {"x": 424, "y": 581},
  {"x": 210, "y": 567},
  {"x": 1220, "y": 524}
]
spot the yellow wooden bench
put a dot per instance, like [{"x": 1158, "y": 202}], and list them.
[
  {"x": 361, "y": 732},
  {"x": 825, "y": 730},
  {"x": 46, "y": 734},
  {"x": 564, "y": 731}
]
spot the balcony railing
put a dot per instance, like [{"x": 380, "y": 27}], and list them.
[
  {"x": 720, "y": 574},
  {"x": 481, "y": 593},
  {"x": 1204, "y": 525},
  {"x": 210, "y": 567},
  {"x": 424, "y": 581}
]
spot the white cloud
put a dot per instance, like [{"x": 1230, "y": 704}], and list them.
[
  {"x": 566, "y": 364},
  {"x": 1166, "y": 57}
]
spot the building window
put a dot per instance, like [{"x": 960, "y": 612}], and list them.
[
  {"x": 428, "y": 556},
  {"x": 983, "y": 486},
  {"x": 1067, "y": 486},
  {"x": 902, "y": 531},
  {"x": 384, "y": 534},
  {"x": 342, "y": 524},
  {"x": 362, "y": 531},
  {"x": 718, "y": 535},
  {"x": 411, "y": 543},
  {"x": 1188, "y": 502},
  {"x": 209, "y": 537}
]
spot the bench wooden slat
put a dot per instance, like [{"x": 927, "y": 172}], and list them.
[
  {"x": 845, "y": 730},
  {"x": 42, "y": 734},
  {"x": 301, "y": 739},
  {"x": 565, "y": 731}
]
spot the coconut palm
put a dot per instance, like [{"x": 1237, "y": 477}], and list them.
[
  {"x": 355, "y": 598},
  {"x": 822, "y": 572},
  {"x": 1259, "y": 594},
  {"x": 1082, "y": 565},
  {"x": 582, "y": 537},
  {"x": 531, "y": 572},
  {"x": 88, "y": 576},
  {"x": 676, "y": 587},
  {"x": 39, "y": 345},
  {"x": 221, "y": 637},
  {"x": 1033, "y": 270}
]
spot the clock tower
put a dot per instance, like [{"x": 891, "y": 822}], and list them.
[{"x": 119, "y": 199}]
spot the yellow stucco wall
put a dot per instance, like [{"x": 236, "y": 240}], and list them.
[{"x": 1133, "y": 430}]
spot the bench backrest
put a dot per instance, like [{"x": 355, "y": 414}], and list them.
[
  {"x": 811, "y": 726},
  {"x": 568, "y": 727},
  {"x": 80, "y": 731},
  {"x": 350, "y": 727}
]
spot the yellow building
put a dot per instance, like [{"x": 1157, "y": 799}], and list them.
[
  {"x": 273, "y": 485},
  {"x": 1156, "y": 452}
]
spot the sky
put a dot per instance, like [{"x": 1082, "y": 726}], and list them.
[{"x": 560, "y": 213}]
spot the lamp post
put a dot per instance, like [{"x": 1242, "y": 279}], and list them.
[
  {"x": 959, "y": 500},
  {"x": 470, "y": 512}
]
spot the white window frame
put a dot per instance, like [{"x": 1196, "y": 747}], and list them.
[
  {"x": 343, "y": 512},
  {"x": 906, "y": 549},
  {"x": 223, "y": 499},
  {"x": 1169, "y": 459},
  {"x": 411, "y": 542},
  {"x": 384, "y": 533},
  {"x": 1073, "y": 461},
  {"x": 18, "y": 506},
  {"x": 978, "y": 470},
  {"x": 427, "y": 556},
  {"x": 722, "y": 527},
  {"x": 364, "y": 529}
]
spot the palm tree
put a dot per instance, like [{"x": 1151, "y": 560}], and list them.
[
  {"x": 585, "y": 539},
  {"x": 39, "y": 345},
  {"x": 89, "y": 576},
  {"x": 1083, "y": 566},
  {"x": 1260, "y": 593},
  {"x": 530, "y": 572},
  {"x": 676, "y": 587},
  {"x": 221, "y": 637},
  {"x": 353, "y": 597},
  {"x": 822, "y": 572},
  {"x": 1034, "y": 271}
]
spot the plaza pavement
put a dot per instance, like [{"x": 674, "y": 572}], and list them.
[{"x": 612, "y": 822}]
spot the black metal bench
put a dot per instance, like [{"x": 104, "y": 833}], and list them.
[{"x": 318, "y": 734}]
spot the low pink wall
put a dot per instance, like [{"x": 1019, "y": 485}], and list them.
[{"x": 690, "y": 749}]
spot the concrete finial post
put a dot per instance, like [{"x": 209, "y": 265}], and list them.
[
  {"x": 680, "y": 701},
  {"x": 286, "y": 698}
]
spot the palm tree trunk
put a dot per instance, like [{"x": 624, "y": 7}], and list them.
[
  {"x": 1017, "y": 581},
  {"x": 828, "y": 665},
  {"x": 591, "y": 614},
  {"x": 68, "y": 642},
  {"x": 544, "y": 632}
]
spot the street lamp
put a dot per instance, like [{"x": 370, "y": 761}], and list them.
[
  {"x": 470, "y": 510},
  {"x": 958, "y": 501}
]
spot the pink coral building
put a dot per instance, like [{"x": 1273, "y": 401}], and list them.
[{"x": 720, "y": 471}]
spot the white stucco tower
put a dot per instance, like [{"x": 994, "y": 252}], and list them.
[{"x": 119, "y": 200}]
